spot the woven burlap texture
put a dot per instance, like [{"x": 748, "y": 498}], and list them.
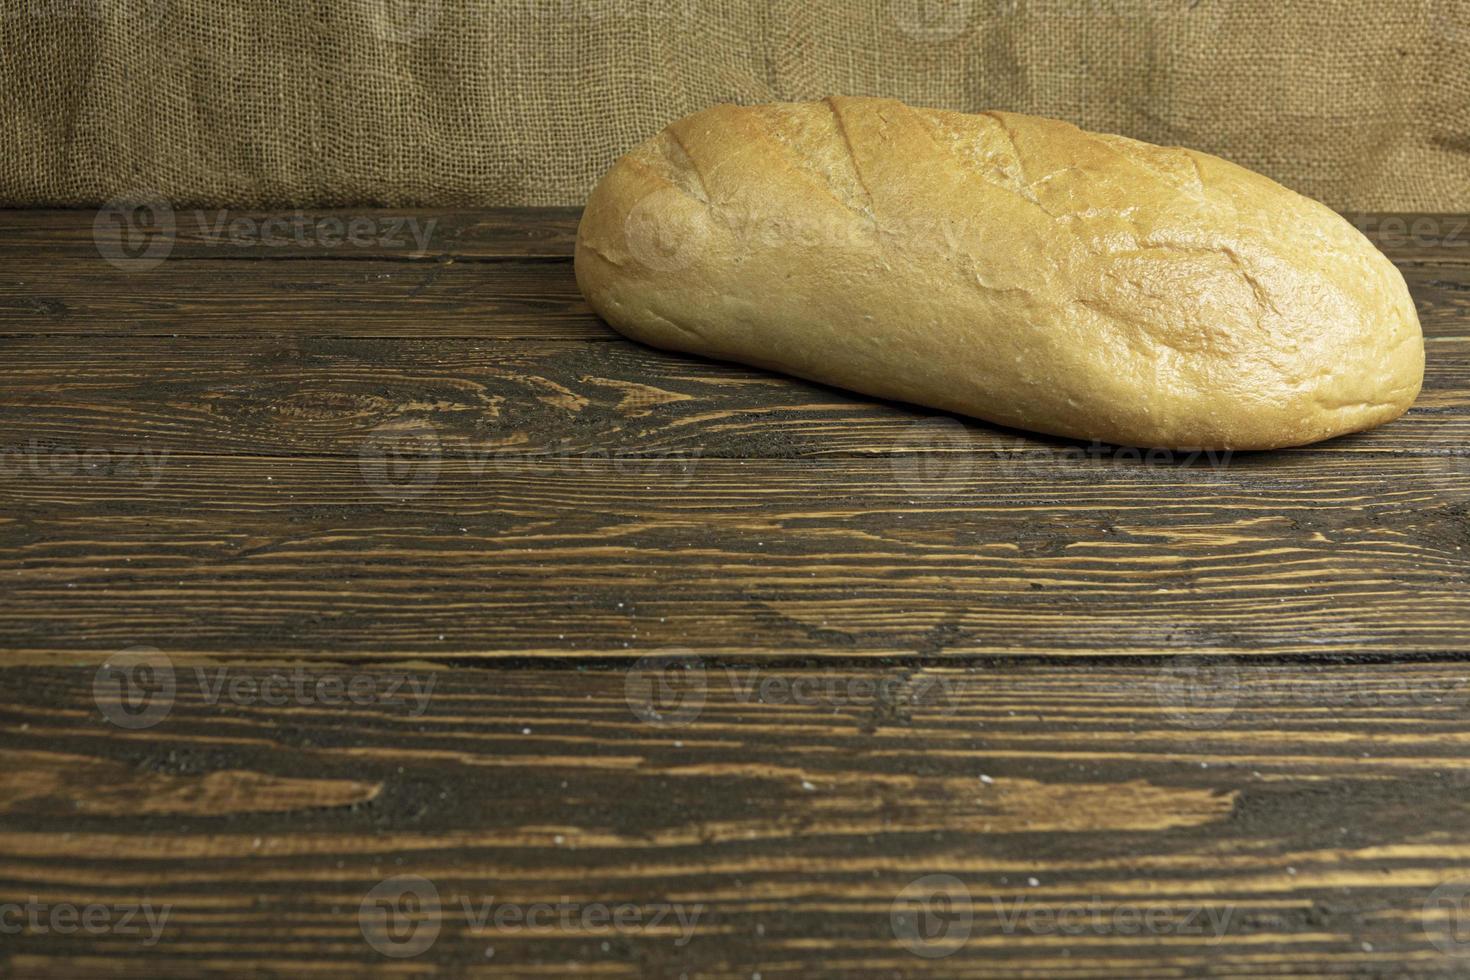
[{"x": 1363, "y": 104}]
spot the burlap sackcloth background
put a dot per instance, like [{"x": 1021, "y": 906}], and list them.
[{"x": 1364, "y": 104}]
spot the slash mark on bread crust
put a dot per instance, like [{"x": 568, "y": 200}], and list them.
[
  {"x": 851, "y": 154},
  {"x": 686, "y": 163}
]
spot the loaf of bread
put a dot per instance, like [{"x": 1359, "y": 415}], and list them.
[{"x": 1007, "y": 267}]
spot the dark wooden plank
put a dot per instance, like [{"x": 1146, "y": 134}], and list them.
[
  {"x": 334, "y": 396},
  {"x": 1185, "y": 821},
  {"x": 487, "y": 233},
  {"x": 401, "y": 553},
  {"x": 245, "y": 297},
  {"x": 356, "y": 233},
  {"x": 1442, "y": 294}
]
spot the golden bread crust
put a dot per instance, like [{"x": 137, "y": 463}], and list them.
[{"x": 1008, "y": 267}]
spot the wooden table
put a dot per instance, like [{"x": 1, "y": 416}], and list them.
[{"x": 440, "y": 627}]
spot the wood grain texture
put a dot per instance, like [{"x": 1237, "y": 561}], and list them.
[
  {"x": 578, "y": 556},
  {"x": 1244, "y": 821},
  {"x": 249, "y": 298},
  {"x": 334, "y": 396},
  {"x": 402, "y": 490},
  {"x": 420, "y": 466}
]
